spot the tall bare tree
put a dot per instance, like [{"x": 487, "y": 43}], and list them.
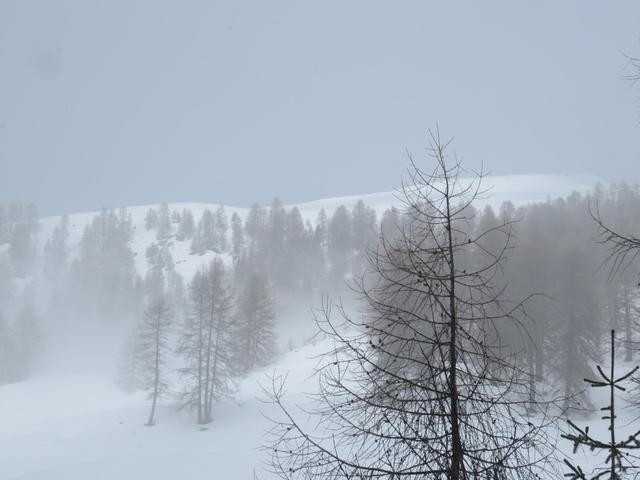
[
  {"x": 205, "y": 342},
  {"x": 152, "y": 348},
  {"x": 423, "y": 384}
]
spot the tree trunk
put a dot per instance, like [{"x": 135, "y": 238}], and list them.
[
  {"x": 628, "y": 354},
  {"x": 200, "y": 345},
  {"x": 457, "y": 455},
  {"x": 532, "y": 380},
  {"x": 156, "y": 380},
  {"x": 539, "y": 354},
  {"x": 209, "y": 348},
  {"x": 612, "y": 404}
]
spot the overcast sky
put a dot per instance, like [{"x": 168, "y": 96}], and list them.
[{"x": 128, "y": 102}]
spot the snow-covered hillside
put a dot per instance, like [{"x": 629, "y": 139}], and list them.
[
  {"x": 519, "y": 189},
  {"x": 68, "y": 424}
]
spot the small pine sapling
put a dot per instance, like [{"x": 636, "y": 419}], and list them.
[{"x": 619, "y": 460}]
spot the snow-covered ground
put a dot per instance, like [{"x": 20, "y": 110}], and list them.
[
  {"x": 74, "y": 427},
  {"x": 68, "y": 424}
]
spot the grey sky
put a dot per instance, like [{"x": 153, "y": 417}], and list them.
[{"x": 120, "y": 102}]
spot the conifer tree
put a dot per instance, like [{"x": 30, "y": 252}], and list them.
[
  {"x": 237, "y": 237},
  {"x": 276, "y": 230},
  {"x": 187, "y": 227},
  {"x": 620, "y": 463},
  {"x": 175, "y": 216},
  {"x": 296, "y": 255},
  {"x": 411, "y": 389},
  {"x": 205, "y": 343},
  {"x": 390, "y": 223},
  {"x": 103, "y": 273},
  {"x": 364, "y": 232},
  {"x": 22, "y": 248},
  {"x": 322, "y": 229},
  {"x": 152, "y": 346},
  {"x": 219, "y": 240},
  {"x": 164, "y": 222},
  {"x": 339, "y": 243},
  {"x": 56, "y": 249},
  {"x": 256, "y": 340},
  {"x": 151, "y": 219},
  {"x": 203, "y": 236},
  {"x": 256, "y": 226}
]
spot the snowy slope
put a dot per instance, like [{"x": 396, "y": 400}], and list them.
[
  {"x": 67, "y": 425},
  {"x": 519, "y": 189},
  {"x": 75, "y": 428}
]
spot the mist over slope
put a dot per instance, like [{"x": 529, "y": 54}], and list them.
[
  {"x": 73, "y": 419},
  {"x": 519, "y": 189}
]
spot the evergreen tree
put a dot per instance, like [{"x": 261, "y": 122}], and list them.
[
  {"x": 364, "y": 233},
  {"x": 237, "y": 237},
  {"x": 322, "y": 229},
  {"x": 204, "y": 234},
  {"x": 219, "y": 241},
  {"x": 164, "y": 222},
  {"x": 151, "y": 219},
  {"x": 620, "y": 452},
  {"x": 576, "y": 306},
  {"x": 295, "y": 256},
  {"x": 256, "y": 226},
  {"x": 22, "y": 248},
  {"x": 276, "y": 230},
  {"x": 56, "y": 249},
  {"x": 256, "y": 340},
  {"x": 390, "y": 227},
  {"x": 314, "y": 265},
  {"x": 187, "y": 227},
  {"x": 339, "y": 245},
  {"x": 255, "y": 257},
  {"x": 103, "y": 273}
]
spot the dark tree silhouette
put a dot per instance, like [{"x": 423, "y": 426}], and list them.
[
  {"x": 205, "y": 343},
  {"x": 152, "y": 348},
  {"x": 422, "y": 385}
]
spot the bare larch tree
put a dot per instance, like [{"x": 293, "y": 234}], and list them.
[
  {"x": 422, "y": 385},
  {"x": 205, "y": 342},
  {"x": 152, "y": 349}
]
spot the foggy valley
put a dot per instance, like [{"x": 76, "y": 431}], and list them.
[{"x": 237, "y": 243}]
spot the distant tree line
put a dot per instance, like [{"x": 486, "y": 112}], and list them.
[{"x": 275, "y": 252}]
